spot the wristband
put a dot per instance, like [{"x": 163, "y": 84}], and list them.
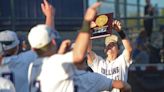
[
  {"x": 122, "y": 34},
  {"x": 85, "y": 27}
]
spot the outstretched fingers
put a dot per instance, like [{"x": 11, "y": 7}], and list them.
[
  {"x": 91, "y": 12},
  {"x": 46, "y": 2},
  {"x": 116, "y": 25},
  {"x": 95, "y": 5}
]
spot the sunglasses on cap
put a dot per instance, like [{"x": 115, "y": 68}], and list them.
[{"x": 6, "y": 42}]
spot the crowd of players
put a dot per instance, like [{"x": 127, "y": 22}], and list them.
[{"x": 52, "y": 65}]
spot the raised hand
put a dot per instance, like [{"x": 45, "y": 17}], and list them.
[
  {"x": 49, "y": 12},
  {"x": 64, "y": 47},
  {"x": 47, "y": 9},
  {"x": 117, "y": 25},
  {"x": 91, "y": 12}
]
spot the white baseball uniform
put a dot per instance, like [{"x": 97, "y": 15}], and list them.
[
  {"x": 117, "y": 69},
  {"x": 16, "y": 69},
  {"x": 52, "y": 74},
  {"x": 6, "y": 85},
  {"x": 6, "y": 73},
  {"x": 91, "y": 82}
]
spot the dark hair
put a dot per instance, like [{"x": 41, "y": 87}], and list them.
[
  {"x": 105, "y": 47},
  {"x": 44, "y": 49}
]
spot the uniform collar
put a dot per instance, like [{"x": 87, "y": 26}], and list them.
[{"x": 109, "y": 62}]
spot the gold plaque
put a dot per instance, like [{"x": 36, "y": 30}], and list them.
[
  {"x": 101, "y": 20},
  {"x": 101, "y": 26}
]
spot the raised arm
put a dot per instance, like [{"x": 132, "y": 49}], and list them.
[
  {"x": 49, "y": 12},
  {"x": 127, "y": 45},
  {"x": 82, "y": 40}
]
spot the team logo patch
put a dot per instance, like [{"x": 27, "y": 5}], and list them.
[{"x": 101, "y": 20}]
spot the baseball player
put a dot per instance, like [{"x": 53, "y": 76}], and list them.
[
  {"x": 115, "y": 66},
  {"x": 15, "y": 66},
  {"x": 53, "y": 72},
  {"x": 5, "y": 84},
  {"x": 87, "y": 81}
]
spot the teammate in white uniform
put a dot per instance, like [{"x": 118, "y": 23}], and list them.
[
  {"x": 53, "y": 72},
  {"x": 115, "y": 66}
]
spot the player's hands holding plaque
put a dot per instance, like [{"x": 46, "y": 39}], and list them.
[{"x": 117, "y": 25}]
